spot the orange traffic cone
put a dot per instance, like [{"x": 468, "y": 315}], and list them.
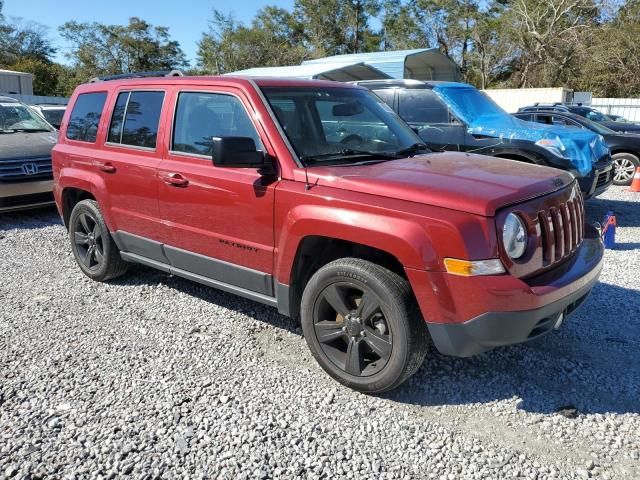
[{"x": 635, "y": 184}]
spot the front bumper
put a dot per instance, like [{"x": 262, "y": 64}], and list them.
[
  {"x": 506, "y": 310},
  {"x": 600, "y": 179},
  {"x": 23, "y": 195}
]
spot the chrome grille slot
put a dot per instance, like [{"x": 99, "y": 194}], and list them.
[{"x": 561, "y": 229}]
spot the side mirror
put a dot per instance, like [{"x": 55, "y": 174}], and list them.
[{"x": 237, "y": 152}]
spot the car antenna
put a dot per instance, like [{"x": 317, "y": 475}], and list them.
[{"x": 307, "y": 185}]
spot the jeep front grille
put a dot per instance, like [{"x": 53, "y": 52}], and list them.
[{"x": 562, "y": 229}]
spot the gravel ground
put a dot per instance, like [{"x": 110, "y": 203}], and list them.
[{"x": 155, "y": 377}]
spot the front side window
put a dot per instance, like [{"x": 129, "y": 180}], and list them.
[
  {"x": 85, "y": 117},
  {"x": 201, "y": 116},
  {"x": 339, "y": 125},
  {"x": 422, "y": 106}
]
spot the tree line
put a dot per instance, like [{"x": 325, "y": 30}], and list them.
[{"x": 591, "y": 45}]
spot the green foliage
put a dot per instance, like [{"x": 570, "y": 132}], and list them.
[
  {"x": 100, "y": 49},
  {"x": 20, "y": 40},
  {"x": 581, "y": 44},
  {"x": 274, "y": 38}
]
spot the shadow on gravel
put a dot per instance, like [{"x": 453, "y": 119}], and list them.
[
  {"x": 590, "y": 363},
  {"x": 141, "y": 275},
  {"x": 30, "y": 219},
  {"x": 627, "y": 213}
]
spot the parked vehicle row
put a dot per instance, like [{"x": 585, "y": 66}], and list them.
[
  {"x": 624, "y": 148},
  {"x": 316, "y": 198},
  {"x": 587, "y": 112},
  {"x": 457, "y": 117}
]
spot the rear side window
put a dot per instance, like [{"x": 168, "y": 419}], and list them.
[
  {"x": 200, "y": 116},
  {"x": 85, "y": 117},
  {"x": 422, "y": 106},
  {"x": 135, "y": 119}
]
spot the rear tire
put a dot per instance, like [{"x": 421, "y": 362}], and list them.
[
  {"x": 93, "y": 247},
  {"x": 362, "y": 325},
  {"x": 624, "y": 165}
]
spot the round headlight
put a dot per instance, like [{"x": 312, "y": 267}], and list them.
[{"x": 514, "y": 236}]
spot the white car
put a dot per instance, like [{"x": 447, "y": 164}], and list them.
[{"x": 51, "y": 113}]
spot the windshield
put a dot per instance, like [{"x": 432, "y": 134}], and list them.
[
  {"x": 591, "y": 114},
  {"x": 17, "y": 117},
  {"x": 344, "y": 125},
  {"x": 469, "y": 104},
  {"x": 596, "y": 127}
]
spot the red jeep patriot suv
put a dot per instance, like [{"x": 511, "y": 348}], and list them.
[{"x": 315, "y": 198}]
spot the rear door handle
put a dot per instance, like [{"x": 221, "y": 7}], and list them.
[
  {"x": 174, "y": 179},
  {"x": 107, "y": 167}
]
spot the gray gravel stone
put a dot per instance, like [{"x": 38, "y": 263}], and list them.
[{"x": 155, "y": 377}]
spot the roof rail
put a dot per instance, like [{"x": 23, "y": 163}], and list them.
[{"x": 123, "y": 76}]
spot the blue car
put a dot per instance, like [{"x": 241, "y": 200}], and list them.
[{"x": 457, "y": 116}]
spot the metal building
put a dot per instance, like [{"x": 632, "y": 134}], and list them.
[
  {"x": 16, "y": 82},
  {"x": 418, "y": 64},
  {"x": 339, "y": 72}
]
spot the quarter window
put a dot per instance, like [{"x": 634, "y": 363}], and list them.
[
  {"x": 85, "y": 117},
  {"x": 201, "y": 116},
  {"x": 386, "y": 95}
]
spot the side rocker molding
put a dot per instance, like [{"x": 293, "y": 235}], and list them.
[{"x": 245, "y": 282}]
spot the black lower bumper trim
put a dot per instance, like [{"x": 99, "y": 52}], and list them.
[{"x": 496, "y": 329}]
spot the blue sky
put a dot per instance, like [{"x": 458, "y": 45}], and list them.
[{"x": 186, "y": 19}]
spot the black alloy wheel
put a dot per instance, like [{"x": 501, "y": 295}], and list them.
[
  {"x": 352, "y": 329},
  {"x": 89, "y": 242},
  {"x": 362, "y": 324},
  {"x": 93, "y": 247}
]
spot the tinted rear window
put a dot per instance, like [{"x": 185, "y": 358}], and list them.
[
  {"x": 85, "y": 117},
  {"x": 142, "y": 119}
]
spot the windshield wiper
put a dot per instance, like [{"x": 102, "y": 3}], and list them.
[
  {"x": 26, "y": 130},
  {"x": 349, "y": 152},
  {"x": 412, "y": 149}
]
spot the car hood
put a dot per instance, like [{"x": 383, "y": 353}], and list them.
[
  {"x": 581, "y": 147},
  {"x": 26, "y": 145},
  {"x": 622, "y": 127},
  {"x": 475, "y": 184}
]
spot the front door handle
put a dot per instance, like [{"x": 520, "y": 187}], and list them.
[
  {"x": 174, "y": 179},
  {"x": 107, "y": 167}
]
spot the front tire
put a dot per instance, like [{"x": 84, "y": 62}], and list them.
[
  {"x": 362, "y": 325},
  {"x": 93, "y": 247},
  {"x": 624, "y": 165}
]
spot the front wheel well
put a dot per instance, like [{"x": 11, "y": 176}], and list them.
[
  {"x": 316, "y": 251},
  {"x": 70, "y": 197},
  {"x": 616, "y": 152}
]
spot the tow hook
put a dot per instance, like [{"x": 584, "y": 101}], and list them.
[{"x": 559, "y": 321}]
